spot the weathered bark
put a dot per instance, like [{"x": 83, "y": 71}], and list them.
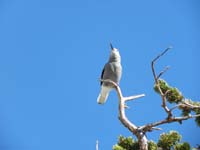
[{"x": 143, "y": 142}]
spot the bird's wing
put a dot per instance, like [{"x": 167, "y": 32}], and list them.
[
  {"x": 102, "y": 73},
  {"x": 107, "y": 71}
]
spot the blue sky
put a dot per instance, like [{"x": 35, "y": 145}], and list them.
[{"x": 51, "y": 56}]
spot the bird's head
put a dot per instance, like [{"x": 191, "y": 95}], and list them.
[{"x": 114, "y": 54}]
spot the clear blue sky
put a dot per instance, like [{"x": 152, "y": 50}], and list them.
[{"x": 51, "y": 56}]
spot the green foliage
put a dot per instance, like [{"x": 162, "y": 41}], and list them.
[
  {"x": 126, "y": 144},
  {"x": 117, "y": 147},
  {"x": 173, "y": 95},
  {"x": 182, "y": 146},
  {"x": 197, "y": 119},
  {"x": 152, "y": 145},
  {"x": 163, "y": 86},
  {"x": 186, "y": 110},
  {"x": 168, "y": 140},
  {"x": 196, "y": 111},
  {"x": 130, "y": 144}
]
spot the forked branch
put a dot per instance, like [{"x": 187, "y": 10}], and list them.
[
  {"x": 124, "y": 120},
  {"x": 156, "y": 79},
  {"x": 170, "y": 118}
]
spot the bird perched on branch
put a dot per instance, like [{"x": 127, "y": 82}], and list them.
[{"x": 111, "y": 71}]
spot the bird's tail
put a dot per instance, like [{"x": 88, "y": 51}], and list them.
[{"x": 103, "y": 94}]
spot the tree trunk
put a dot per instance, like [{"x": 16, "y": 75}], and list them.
[{"x": 142, "y": 140}]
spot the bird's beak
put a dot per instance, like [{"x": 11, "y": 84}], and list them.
[{"x": 111, "y": 46}]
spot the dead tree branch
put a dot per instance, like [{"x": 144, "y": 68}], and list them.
[
  {"x": 170, "y": 118},
  {"x": 150, "y": 127},
  {"x": 124, "y": 120},
  {"x": 156, "y": 78}
]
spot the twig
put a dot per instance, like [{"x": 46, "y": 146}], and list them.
[
  {"x": 133, "y": 97},
  {"x": 154, "y": 60},
  {"x": 190, "y": 105},
  {"x": 148, "y": 127},
  {"x": 156, "y": 78},
  {"x": 119, "y": 92},
  {"x": 155, "y": 128},
  {"x": 176, "y": 106},
  {"x": 185, "y": 104},
  {"x": 162, "y": 72},
  {"x": 162, "y": 53}
]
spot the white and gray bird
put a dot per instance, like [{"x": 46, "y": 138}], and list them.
[{"x": 112, "y": 71}]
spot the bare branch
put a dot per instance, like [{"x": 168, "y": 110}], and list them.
[
  {"x": 176, "y": 106},
  {"x": 120, "y": 93},
  {"x": 155, "y": 128},
  {"x": 162, "y": 72},
  {"x": 156, "y": 78},
  {"x": 185, "y": 104},
  {"x": 109, "y": 81},
  {"x": 124, "y": 120},
  {"x": 154, "y": 60},
  {"x": 164, "y": 102},
  {"x": 190, "y": 105},
  {"x": 133, "y": 97},
  {"x": 149, "y": 127}
]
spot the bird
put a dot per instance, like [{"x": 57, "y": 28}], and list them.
[{"x": 112, "y": 71}]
